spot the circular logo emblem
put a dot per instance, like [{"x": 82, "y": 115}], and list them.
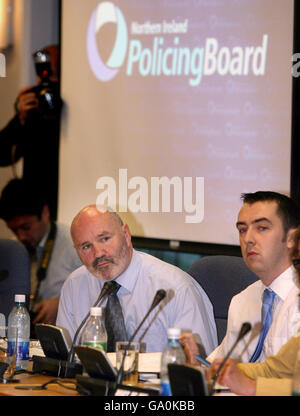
[{"x": 106, "y": 12}]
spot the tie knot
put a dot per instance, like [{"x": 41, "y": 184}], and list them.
[
  {"x": 268, "y": 297},
  {"x": 112, "y": 287}
]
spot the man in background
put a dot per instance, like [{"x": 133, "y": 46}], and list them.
[
  {"x": 104, "y": 245},
  {"x": 53, "y": 257}
]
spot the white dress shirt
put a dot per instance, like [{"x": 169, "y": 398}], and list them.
[
  {"x": 186, "y": 307},
  {"x": 246, "y": 307}
]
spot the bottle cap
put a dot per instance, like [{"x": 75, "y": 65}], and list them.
[
  {"x": 174, "y": 332},
  {"x": 20, "y": 298},
  {"x": 96, "y": 311}
]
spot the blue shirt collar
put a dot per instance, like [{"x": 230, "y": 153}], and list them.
[{"x": 129, "y": 277}]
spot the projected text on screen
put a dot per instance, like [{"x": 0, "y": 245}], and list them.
[{"x": 165, "y": 59}]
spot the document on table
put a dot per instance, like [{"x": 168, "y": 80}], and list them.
[{"x": 149, "y": 362}]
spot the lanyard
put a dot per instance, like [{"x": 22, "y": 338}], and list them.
[{"x": 46, "y": 256}]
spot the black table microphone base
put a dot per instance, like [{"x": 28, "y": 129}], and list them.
[
  {"x": 94, "y": 386},
  {"x": 100, "y": 387},
  {"x": 54, "y": 367}
]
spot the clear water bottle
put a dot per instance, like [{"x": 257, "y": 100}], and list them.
[
  {"x": 94, "y": 333},
  {"x": 18, "y": 331},
  {"x": 173, "y": 353}
]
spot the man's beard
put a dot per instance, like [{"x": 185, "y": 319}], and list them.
[
  {"x": 101, "y": 260},
  {"x": 115, "y": 266}
]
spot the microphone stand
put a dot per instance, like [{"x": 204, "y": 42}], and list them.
[
  {"x": 246, "y": 327},
  {"x": 159, "y": 296}
]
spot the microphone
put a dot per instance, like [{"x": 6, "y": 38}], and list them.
[
  {"x": 245, "y": 328},
  {"x": 159, "y": 296},
  {"x": 106, "y": 291}
]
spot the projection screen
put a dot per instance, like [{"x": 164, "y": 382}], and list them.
[{"x": 172, "y": 109}]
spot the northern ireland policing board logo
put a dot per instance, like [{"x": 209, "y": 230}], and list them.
[
  {"x": 162, "y": 55},
  {"x": 106, "y": 12}
]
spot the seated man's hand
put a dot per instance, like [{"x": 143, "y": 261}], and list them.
[
  {"x": 190, "y": 348},
  {"x": 232, "y": 377},
  {"x": 27, "y": 101},
  {"x": 46, "y": 311}
]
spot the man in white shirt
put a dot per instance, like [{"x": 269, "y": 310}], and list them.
[
  {"x": 104, "y": 245},
  {"x": 26, "y": 213},
  {"x": 266, "y": 225}
]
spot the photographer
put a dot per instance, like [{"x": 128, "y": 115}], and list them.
[{"x": 33, "y": 133}]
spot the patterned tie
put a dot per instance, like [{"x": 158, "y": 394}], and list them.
[
  {"x": 114, "y": 320},
  {"x": 266, "y": 317}
]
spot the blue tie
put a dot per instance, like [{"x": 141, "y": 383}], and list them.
[{"x": 266, "y": 317}]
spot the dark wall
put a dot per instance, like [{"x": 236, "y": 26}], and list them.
[{"x": 295, "y": 162}]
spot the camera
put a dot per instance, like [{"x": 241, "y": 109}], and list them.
[{"x": 47, "y": 91}]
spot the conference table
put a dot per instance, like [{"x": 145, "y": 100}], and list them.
[
  {"x": 67, "y": 387},
  {"x": 30, "y": 383},
  {"x": 55, "y": 386}
]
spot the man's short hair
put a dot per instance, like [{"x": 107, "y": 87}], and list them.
[
  {"x": 20, "y": 198},
  {"x": 287, "y": 208}
]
